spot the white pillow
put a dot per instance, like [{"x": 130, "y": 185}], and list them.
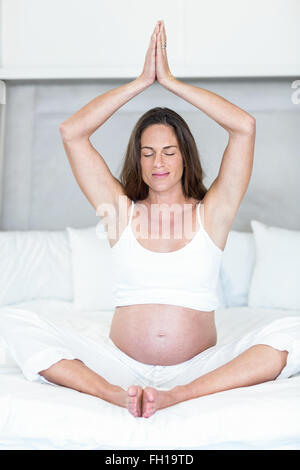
[
  {"x": 237, "y": 268},
  {"x": 93, "y": 278},
  {"x": 276, "y": 278},
  {"x": 34, "y": 265}
]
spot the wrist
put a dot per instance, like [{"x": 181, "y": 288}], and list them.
[
  {"x": 167, "y": 81},
  {"x": 144, "y": 83}
]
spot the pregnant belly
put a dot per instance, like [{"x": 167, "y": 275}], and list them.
[{"x": 162, "y": 334}]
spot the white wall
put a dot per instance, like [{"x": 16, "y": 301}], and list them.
[
  {"x": 1, "y": 32},
  {"x": 205, "y": 38},
  {"x": 40, "y": 191}
]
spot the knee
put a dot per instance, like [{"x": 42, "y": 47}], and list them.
[
  {"x": 51, "y": 369},
  {"x": 57, "y": 369},
  {"x": 276, "y": 358},
  {"x": 282, "y": 361},
  {"x": 283, "y": 355}
]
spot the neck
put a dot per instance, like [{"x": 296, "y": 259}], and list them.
[{"x": 168, "y": 199}]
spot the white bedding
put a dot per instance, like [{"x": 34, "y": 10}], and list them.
[{"x": 42, "y": 416}]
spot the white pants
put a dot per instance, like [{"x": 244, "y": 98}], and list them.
[{"x": 37, "y": 343}]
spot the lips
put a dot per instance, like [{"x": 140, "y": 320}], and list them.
[{"x": 160, "y": 174}]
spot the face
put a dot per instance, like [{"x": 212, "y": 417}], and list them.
[{"x": 160, "y": 154}]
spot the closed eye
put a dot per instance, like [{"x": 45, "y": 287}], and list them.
[{"x": 167, "y": 154}]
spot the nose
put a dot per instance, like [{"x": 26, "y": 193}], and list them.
[{"x": 158, "y": 161}]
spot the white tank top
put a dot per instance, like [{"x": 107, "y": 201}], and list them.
[{"x": 186, "y": 277}]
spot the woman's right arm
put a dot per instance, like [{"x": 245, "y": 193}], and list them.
[
  {"x": 89, "y": 118},
  {"x": 85, "y": 121},
  {"x": 89, "y": 168}
]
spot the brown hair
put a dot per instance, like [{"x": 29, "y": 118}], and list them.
[{"x": 131, "y": 173}]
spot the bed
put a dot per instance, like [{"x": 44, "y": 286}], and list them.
[{"x": 65, "y": 276}]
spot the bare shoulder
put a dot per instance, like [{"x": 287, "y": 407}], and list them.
[{"x": 217, "y": 217}]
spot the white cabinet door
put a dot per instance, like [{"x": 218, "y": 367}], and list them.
[
  {"x": 86, "y": 37},
  {"x": 240, "y": 38},
  {"x": 109, "y": 38}
]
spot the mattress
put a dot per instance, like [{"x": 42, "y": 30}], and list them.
[{"x": 44, "y": 416}]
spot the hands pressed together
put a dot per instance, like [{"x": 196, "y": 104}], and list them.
[{"x": 156, "y": 65}]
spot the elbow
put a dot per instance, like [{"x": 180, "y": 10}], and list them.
[
  {"x": 63, "y": 130},
  {"x": 68, "y": 133},
  {"x": 249, "y": 126},
  {"x": 65, "y": 133}
]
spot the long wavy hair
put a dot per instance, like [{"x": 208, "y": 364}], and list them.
[{"x": 131, "y": 174}]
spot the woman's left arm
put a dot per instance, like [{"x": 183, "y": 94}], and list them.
[
  {"x": 232, "y": 118},
  {"x": 229, "y": 187}
]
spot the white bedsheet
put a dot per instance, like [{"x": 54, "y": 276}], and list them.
[{"x": 42, "y": 416}]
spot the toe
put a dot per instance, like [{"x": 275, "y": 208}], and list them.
[
  {"x": 150, "y": 394},
  {"x": 148, "y": 402},
  {"x": 132, "y": 391},
  {"x": 134, "y": 400}
]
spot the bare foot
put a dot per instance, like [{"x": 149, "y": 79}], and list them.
[
  {"x": 134, "y": 400},
  {"x": 154, "y": 400}
]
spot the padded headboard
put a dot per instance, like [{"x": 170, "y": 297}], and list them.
[
  {"x": 40, "y": 191},
  {"x": 2, "y": 124}
]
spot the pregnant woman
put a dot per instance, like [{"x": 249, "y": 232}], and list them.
[{"x": 162, "y": 347}]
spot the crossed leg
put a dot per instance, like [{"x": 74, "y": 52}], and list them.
[
  {"x": 44, "y": 343},
  {"x": 258, "y": 364},
  {"x": 76, "y": 375}
]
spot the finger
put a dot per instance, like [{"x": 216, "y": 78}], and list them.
[
  {"x": 158, "y": 45},
  {"x": 156, "y": 30},
  {"x": 163, "y": 37},
  {"x": 160, "y": 42},
  {"x": 163, "y": 31},
  {"x": 152, "y": 44},
  {"x": 153, "y": 37},
  {"x": 152, "y": 47}
]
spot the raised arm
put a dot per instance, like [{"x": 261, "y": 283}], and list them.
[
  {"x": 227, "y": 191},
  {"x": 89, "y": 168},
  {"x": 83, "y": 123}
]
